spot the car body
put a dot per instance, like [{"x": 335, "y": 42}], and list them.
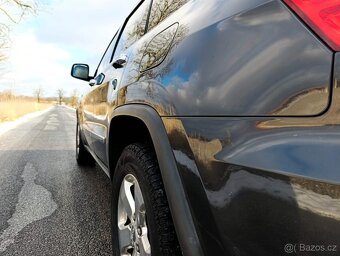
[{"x": 241, "y": 102}]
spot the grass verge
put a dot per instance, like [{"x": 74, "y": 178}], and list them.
[{"x": 13, "y": 109}]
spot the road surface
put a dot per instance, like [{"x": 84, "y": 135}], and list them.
[{"x": 48, "y": 205}]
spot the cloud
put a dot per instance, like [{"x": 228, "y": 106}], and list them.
[
  {"x": 84, "y": 28},
  {"x": 64, "y": 32},
  {"x": 35, "y": 64}
]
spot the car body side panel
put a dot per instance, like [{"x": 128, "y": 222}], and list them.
[
  {"x": 85, "y": 117},
  {"x": 268, "y": 182},
  {"x": 99, "y": 125},
  {"x": 105, "y": 100},
  {"x": 259, "y": 60}
]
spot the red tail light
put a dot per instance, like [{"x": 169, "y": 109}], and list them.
[{"x": 323, "y": 16}]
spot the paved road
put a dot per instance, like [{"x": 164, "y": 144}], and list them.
[{"x": 48, "y": 205}]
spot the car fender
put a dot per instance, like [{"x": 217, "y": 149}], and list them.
[{"x": 180, "y": 210}]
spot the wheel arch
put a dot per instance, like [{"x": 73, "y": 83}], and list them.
[
  {"x": 151, "y": 128},
  {"x": 118, "y": 138}
]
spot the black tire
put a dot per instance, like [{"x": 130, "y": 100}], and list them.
[
  {"x": 140, "y": 161},
  {"x": 84, "y": 158}
]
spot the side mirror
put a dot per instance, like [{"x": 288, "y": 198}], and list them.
[{"x": 81, "y": 71}]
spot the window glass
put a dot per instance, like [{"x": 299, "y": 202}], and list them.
[
  {"x": 158, "y": 48},
  {"x": 161, "y": 9},
  {"x": 106, "y": 59},
  {"x": 135, "y": 28}
]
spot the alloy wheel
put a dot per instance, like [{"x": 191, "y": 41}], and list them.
[{"x": 132, "y": 221}]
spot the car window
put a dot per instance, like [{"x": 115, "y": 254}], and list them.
[
  {"x": 158, "y": 48},
  {"x": 161, "y": 9},
  {"x": 107, "y": 57},
  {"x": 135, "y": 27}
]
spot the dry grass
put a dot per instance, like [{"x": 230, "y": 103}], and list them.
[{"x": 15, "y": 108}]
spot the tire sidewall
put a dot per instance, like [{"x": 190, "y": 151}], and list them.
[
  {"x": 78, "y": 142},
  {"x": 83, "y": 157},
  {"x": 128, "y": 164}
]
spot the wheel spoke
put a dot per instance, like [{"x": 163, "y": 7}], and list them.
[
  {"x": 124, "y": 240},
  {"x": 144, "y": 245},
  {"x": 132, "y": 224},
  {"x": 126, "y": 201},
  {"x": 145, "y": 248},
  {"x": 134, "y": 253},
  {"x": 140, "y": 207}
]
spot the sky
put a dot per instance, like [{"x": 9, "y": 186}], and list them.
[{"x": 63, "y": 32}]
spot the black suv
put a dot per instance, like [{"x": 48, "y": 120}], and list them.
[{"x": 218, "y": 123}]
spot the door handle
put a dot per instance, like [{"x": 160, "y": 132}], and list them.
[
  {"x": 120, "y": 62},
  {"x": 92, "y": 82}
]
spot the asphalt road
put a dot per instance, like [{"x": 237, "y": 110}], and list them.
[{"x": 48, "y": 205}]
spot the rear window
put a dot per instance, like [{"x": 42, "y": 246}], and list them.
[
  {"x": 135, "y": 28},
  {"x": 162, "y": 9}
]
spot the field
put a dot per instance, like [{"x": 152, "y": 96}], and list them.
[{"x": 13, "y": 107}]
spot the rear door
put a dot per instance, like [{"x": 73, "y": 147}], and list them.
[{"x": 110, "y": 72}]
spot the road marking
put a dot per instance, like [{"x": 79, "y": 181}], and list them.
[
  {"x": 35, "y": 203},
  {"x": 52, "y": 123},
  {"x": 50, "y": 128},
  {"x": 53, "y": 119}
]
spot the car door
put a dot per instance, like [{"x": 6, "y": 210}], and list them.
[
  {"x": 110, "y": 72},
  {"x": 98, "y": 97},
  {"x": 85, "y": 116}
]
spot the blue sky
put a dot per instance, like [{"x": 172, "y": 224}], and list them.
[{"x": 64, "y": 32}]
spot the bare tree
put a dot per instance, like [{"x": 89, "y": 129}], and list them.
[
  {"x": 12, "y": 12},
  {"x": 15, "y": 10},
  {"x": 7, "y": 95},
  {"x": 60, "y": 93},
  {"x": 74, "y": 98},
  {"x": 4, "y": 41},
  {"x": 38, "y": 93},
  {"x": 161, "y": 9}
]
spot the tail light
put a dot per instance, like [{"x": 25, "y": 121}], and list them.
[{"x": 323, "y": 16}]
